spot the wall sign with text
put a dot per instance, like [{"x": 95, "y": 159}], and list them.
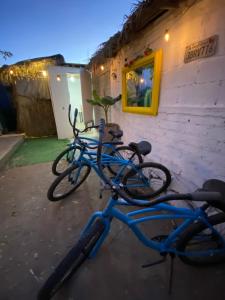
[{"x": 201, "y": 49}]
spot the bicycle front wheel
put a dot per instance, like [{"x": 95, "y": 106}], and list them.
[
  {"x": 126, "y": 153},
  {"x": 146, "y": 180},
  {"x": 73, "y": 260},
  {"x": 201, "y": 245},
  {"x": 68, "y": 182},
  {"x": 65, "y": 159}
]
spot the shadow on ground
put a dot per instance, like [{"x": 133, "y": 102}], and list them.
[{"x": 35, "y": 234}]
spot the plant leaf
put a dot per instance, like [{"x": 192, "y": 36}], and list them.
[
  {"x": 93, "y": 102},
  {"x": 96, "y": 96},
  {"x": 107, "y": 100}
]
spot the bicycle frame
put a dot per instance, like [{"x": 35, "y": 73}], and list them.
[
  {"x": 89, "y": 157},
  {"x": 166, "y": 212}
]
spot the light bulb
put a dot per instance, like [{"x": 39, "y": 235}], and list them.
[
  {"x": 44, "y": 73},
  {"x": 167, "y": 35}
]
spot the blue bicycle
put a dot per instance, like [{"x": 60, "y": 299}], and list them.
[
  {"x": 72, "y": 152},
  {"x": 140, "y": 180},
  {"x": 198, "y": 240}
]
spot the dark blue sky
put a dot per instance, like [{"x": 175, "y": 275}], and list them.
[{"x": 74, "y": 28}]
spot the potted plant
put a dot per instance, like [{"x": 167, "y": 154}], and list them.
[{"x": 105, "y": 103}]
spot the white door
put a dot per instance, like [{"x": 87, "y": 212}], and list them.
[
  {"x": 67, "y": 87},
  {"x": 60, "y": 101}
]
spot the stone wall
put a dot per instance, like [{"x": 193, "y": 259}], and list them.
[{"x": 188, "y": 134}]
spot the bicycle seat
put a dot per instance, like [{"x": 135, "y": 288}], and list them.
[
  {"x": 215, "y": 185},
  {"x": 142, "y": 147},
  {"x": 116, "y": 134}
]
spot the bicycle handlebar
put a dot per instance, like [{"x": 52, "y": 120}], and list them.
[
  {"x": 69, "y": 112},
  {"x": 87, "y": 128},
  {"x": 214, "y": 198},
  {"x": 75, "y": 118},
  {"x": 76, "y": 131}
]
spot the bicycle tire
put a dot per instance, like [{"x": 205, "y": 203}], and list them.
[
  {"x": 68, "y": 155},
  {"x": 149, "y": 186},
  {"x": 191, "y": 237},
  {"x": 137, "y": 159},
  {"x": 72, "y": 261},
  {"x": 54, "y": 195}
]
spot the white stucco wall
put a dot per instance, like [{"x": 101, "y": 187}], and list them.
[{"x": 188, "y": 134}]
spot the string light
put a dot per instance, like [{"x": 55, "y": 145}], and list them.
[
  {"x": 142, "y": 80},
  {"x": 167, "y": 35}
]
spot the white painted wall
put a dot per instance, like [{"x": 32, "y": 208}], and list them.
[{"x": 188, "y": 134}]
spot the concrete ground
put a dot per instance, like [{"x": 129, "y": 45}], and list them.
[{"x": 35, "y": 234}]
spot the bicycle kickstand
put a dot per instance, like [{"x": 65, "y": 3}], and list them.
[{"x": 172, "y": 256}]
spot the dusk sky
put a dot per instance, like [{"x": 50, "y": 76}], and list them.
[{"x": 73, "y": 28}]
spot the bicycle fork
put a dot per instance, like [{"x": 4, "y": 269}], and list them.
[{"x": 107, "y": 223}]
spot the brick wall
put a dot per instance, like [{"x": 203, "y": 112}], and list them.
[{"x": 188, "y": 134}]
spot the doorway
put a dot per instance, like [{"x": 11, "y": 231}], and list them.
[
  {"x": 7, "y": 110},
  {"x": 69, "y": 85},
  {"x": 75, "y": 95}
]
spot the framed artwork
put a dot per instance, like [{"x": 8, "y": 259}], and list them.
[{"x": 141, "y": 85}]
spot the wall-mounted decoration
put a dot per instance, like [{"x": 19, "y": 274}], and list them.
[
  {"x": 201, "y": 49},
  {"x": 141, "y": 83}
]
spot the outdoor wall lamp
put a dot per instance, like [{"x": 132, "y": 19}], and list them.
[
  {"x": 58, "y": 78},
  {"x": 167, "y": 35},
  {"x": 102, "y": 68},
  {"x": 11, "y": 72}
]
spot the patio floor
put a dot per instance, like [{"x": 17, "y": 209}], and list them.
[{"x": 35, "y": 234}]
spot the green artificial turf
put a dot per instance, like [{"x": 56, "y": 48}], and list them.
[{"x": 37, "y": 150}]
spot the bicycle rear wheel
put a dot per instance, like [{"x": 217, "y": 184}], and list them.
[
  {"x": 202, "y": 246},
  {"x": 146, "y": 180},
  {"x": 68, "y": 182},
  {"x": 126, "y": 153},
  {"x": 64, "y": 159},
  {"x": 72, "y": 261}
]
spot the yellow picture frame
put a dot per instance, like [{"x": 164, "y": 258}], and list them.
[{"x": 151, "y": 108}]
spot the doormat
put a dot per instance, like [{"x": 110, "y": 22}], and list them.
[{"x": 37, "y": 150}]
